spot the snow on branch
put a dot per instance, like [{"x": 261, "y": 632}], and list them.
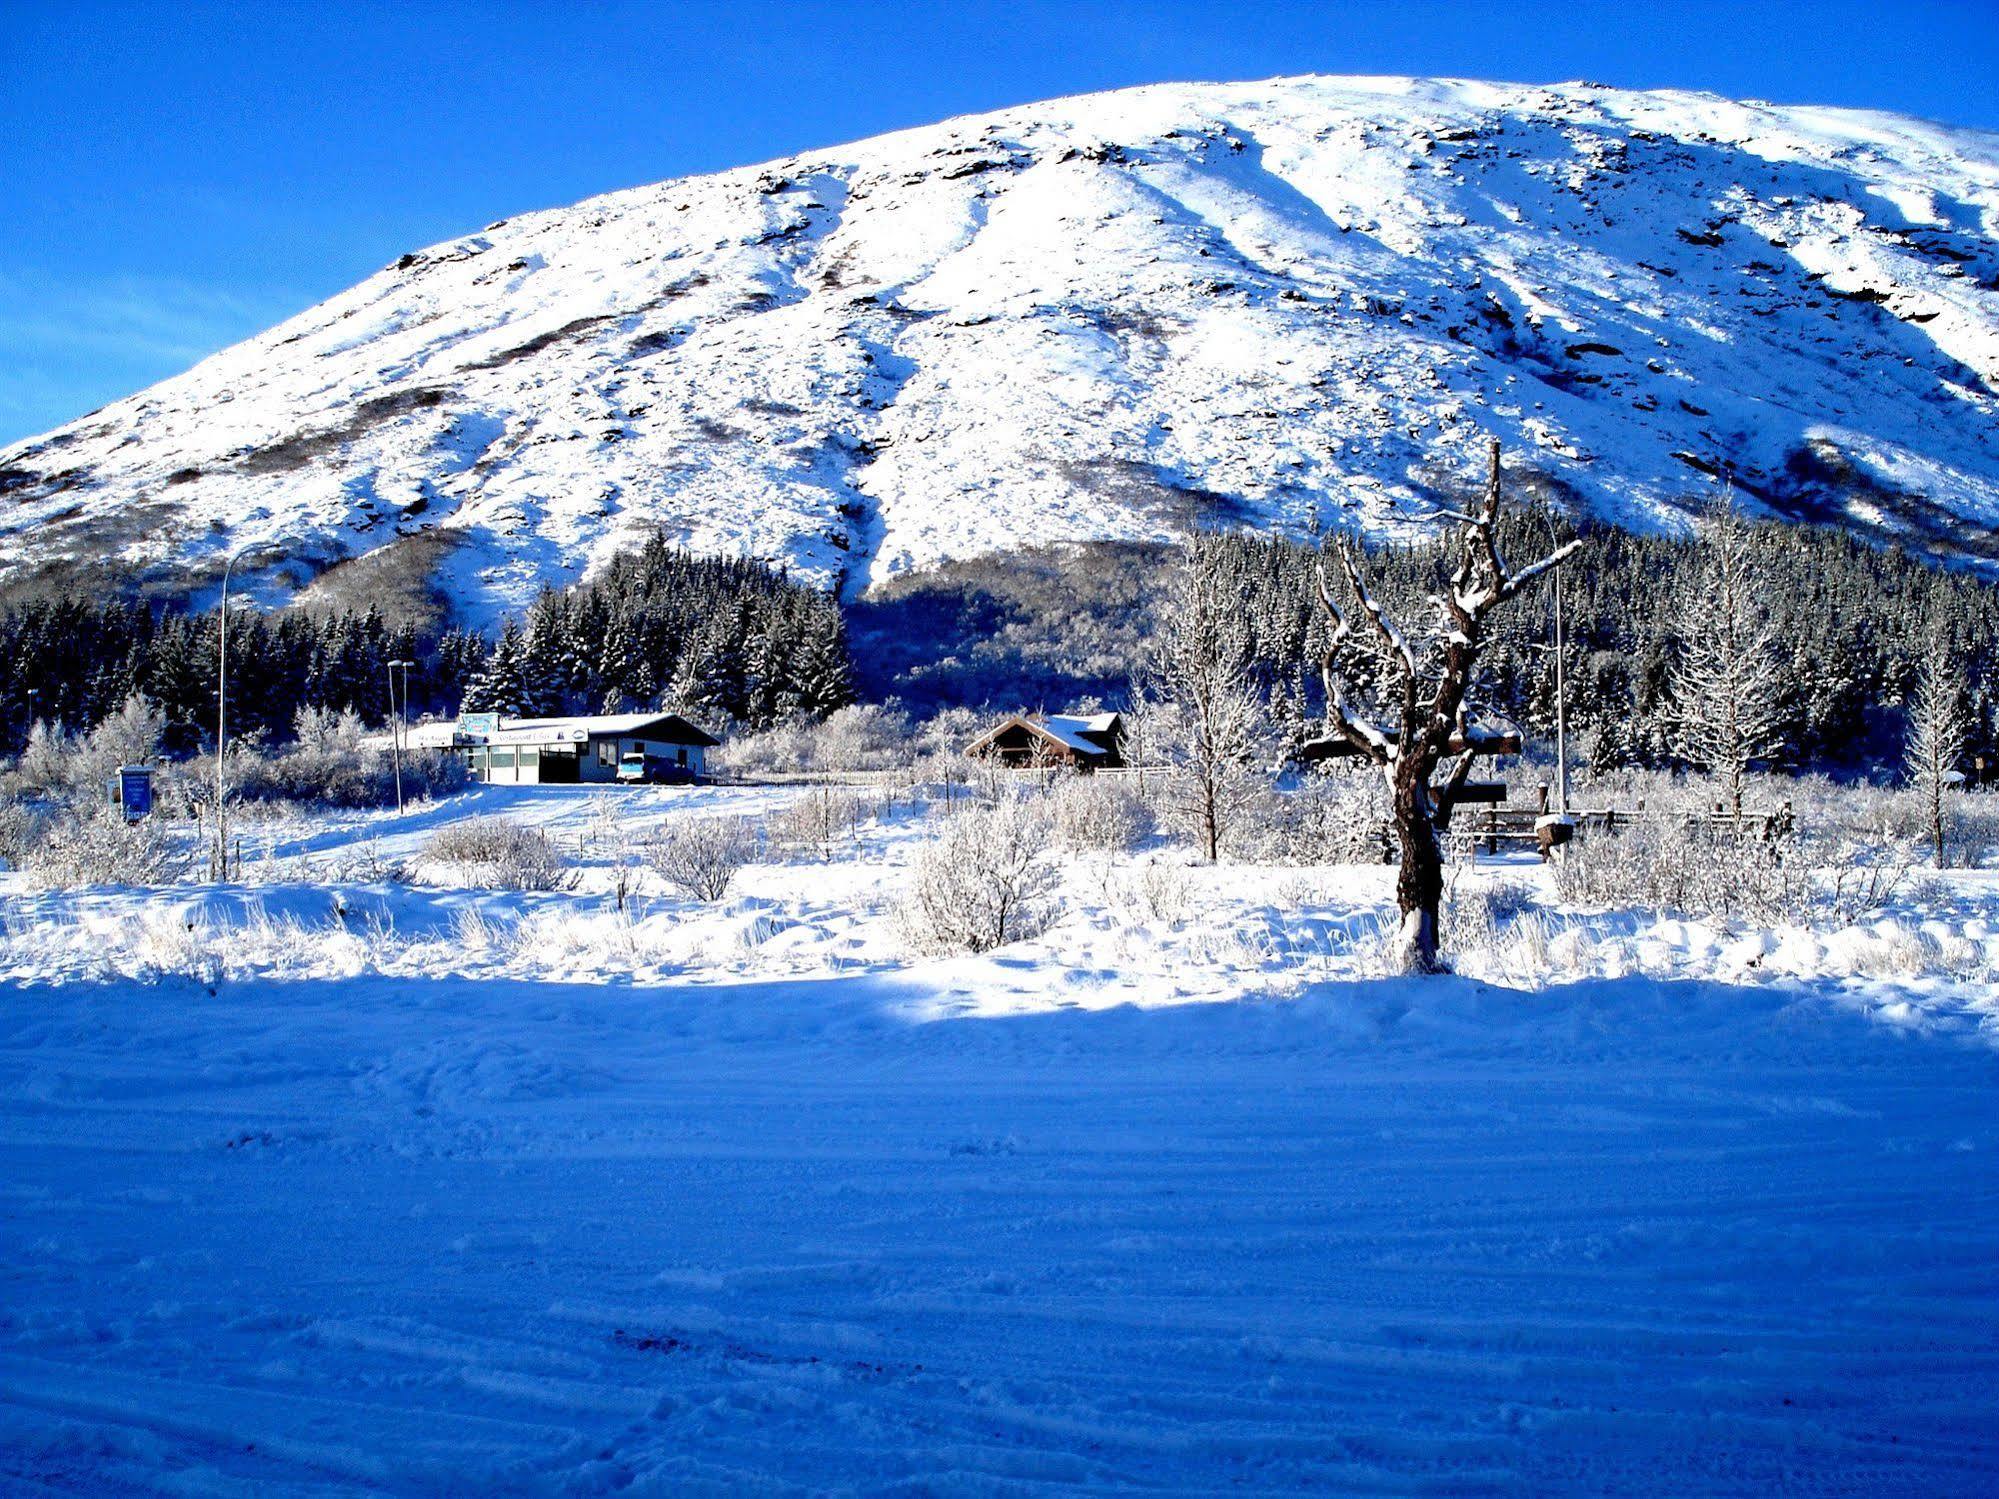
[
  {"x": 1385, "y": 627},
  {"x": 1347, "y": 728}
]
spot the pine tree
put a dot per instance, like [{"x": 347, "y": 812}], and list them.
[{"x": 496, "y": 688}]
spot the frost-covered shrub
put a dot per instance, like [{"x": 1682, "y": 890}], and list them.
[
  {"x": 1342, "y": 818},
  {"x": 1856, "y": 879},
  {"x": 331, "y": 767},
  {"x": 45, "y": 764},
  {"x": 1156, "y": 890},
  {"x": 98, "y": 847},
  {"x": 858, "y": 738},
  {"x": 981, "y": 882},
  {"x": 1975, "y": 824},
  {"x": 1475, "y": 917},
  {"x": 1700, "y": 868},
  {"x": 57, "y": 765},
  {"x": 700, "y": 856},
  {"x": 1678, "y": 864},
  {"x": 476, "y": 840},
  {"x": 817, "y": 822},
  {"x": 502, "y": 854},
  {"x": 1101, "y": 813},
  {"x": 22, "y": 829}
]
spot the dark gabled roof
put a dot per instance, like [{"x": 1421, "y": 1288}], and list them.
[{"x": 669, "y": 728}]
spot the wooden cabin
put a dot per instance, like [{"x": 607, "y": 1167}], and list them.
[{"x": 1070, "y": 740}]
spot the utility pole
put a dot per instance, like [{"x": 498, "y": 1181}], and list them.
[
  {"x": 396, "y": 723},
  {"x": 218, "y": 866},
  {"x": 1561, "y": 705}
]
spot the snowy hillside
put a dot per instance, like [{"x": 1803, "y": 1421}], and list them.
[{"x": 1108, "y": 317}]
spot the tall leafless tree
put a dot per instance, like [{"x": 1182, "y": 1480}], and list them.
[
  {"x": 1202, "y": 671},
  {"x": 1939, "y": 734},
  {"x": 1425, "y": 687},
  {"x": 1728, "y": 687}
]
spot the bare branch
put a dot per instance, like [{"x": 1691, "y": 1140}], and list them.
[
  {"x": 1348, "y": 729},
  {"x": 1454, "y": 782},
  {"x": 1342, "y": 628},
  {"x": 1376, "y": 616},
  {"x": 1528, "y": 574}
]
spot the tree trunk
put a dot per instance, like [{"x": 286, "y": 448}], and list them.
[{"x": 1419, "y": 884}]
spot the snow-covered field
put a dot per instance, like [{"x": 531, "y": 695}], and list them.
[{"x": 317, "y": 1184}]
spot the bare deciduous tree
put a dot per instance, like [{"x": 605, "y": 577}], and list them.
[
  {"x": 1939, "y": 734},
  {"x": 1727, "y": 690},
  {"x": 1425, "y": 689},
  {"x": 1202, "y": 671}
]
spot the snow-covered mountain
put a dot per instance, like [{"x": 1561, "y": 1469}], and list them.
[{"x": 1108, "y": 317}]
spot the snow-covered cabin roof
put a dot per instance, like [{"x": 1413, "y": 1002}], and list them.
[
  {"x": 1076, "y": 731},
  {"x": 661, "y": 728},
  {"x": 1091, "y": 737}
]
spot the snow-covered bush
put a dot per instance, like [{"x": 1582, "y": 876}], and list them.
[
  {"x": 1475, "y": 917},
  {"x": 980, "y": 882},
  {"x": 502, "y": 854},
  {"x": 611, "y": 840},
  {"x": 45, "y": 764},
  {"x": 57, "y": 765},
  {"x": 330, "y": 766},
  {"x": 817, "y": 822},
  {"x": 1100, "y": 813},
  {"x": 22, "y": 829},
  {"x": 1700, "y": 868},
  {"x": 700, "y": 856},
  {"x": 1879, "y": 815},
  {"x": 1976, "y": 824},
  {"x": 1857, "y": 879},
  {"x": 861, "y": 737},
  {"x": 93, "y": 846},
  {"x": 1155, "y": 890},
  {"x": 1679, "y": 864},
  {"x": 1342, "y": 818}
]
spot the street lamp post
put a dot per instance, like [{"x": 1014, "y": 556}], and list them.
[
  {"x": 1561, "y": 705},
  {"x": 396, "y": 723},
  {"x": 218, "y": 866}
]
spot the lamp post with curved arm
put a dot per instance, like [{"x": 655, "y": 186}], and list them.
[
  {"x": 1561, "y": 698},
  {"x": 218, "y": 866},
  {"x": 396, "y": 730}
]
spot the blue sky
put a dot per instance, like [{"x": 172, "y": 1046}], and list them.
[{"x": 178, "y": 176}]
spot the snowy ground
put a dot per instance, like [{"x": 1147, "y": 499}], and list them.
[{"x": 317, "y": 1187}]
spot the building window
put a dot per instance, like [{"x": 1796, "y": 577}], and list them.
[
  {"x": 607, "y": 753},
  {"x": 503, "y": 759}
]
